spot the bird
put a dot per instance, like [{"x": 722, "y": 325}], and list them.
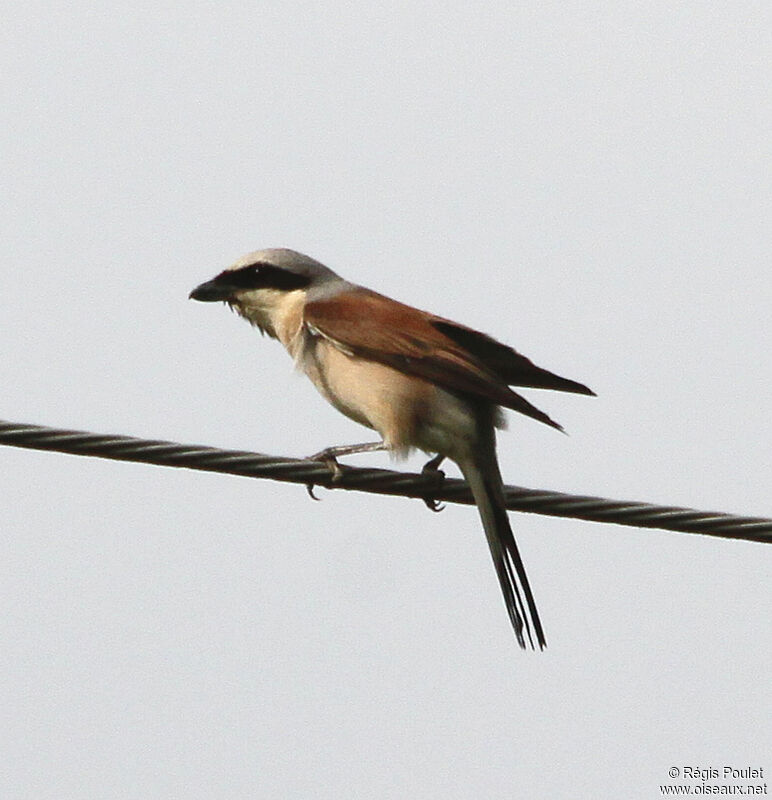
[{"x": 419, "y": 380}]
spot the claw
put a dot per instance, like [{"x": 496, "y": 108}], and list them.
[
  {"x": 327, "y": 457},
  {"x": 433, "y": 505},
  {"x": 431, "y": 469}
]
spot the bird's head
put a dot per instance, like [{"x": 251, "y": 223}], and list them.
[{"x": 260, "y": 284}]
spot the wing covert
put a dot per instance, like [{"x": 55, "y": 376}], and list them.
[{"x": 368, "y": 325}]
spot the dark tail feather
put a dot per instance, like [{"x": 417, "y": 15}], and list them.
[
  {"x": 488, "y": 492},
  {"x": 518, "y": 403}
]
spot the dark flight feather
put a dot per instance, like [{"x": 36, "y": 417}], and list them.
[{"x": 512, "y": 367}]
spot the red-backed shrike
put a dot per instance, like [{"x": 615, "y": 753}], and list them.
[{"x": 420, "y": 381}]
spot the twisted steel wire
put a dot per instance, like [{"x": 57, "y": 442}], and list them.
[{"x": 380, "y": 481}]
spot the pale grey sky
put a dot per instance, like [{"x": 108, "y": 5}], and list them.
[{"x": 587, "y": 182}]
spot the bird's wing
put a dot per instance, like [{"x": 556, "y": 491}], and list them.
[
  {"x": 368, "y": 325},
  {"x": 513, "y": 368}
]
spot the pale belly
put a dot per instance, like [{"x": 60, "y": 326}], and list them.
[{"x": 407, "y": 412}]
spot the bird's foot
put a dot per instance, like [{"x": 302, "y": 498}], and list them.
[
  {"x": 432, "y": 470},
  {"x": 329, "y": 457}
]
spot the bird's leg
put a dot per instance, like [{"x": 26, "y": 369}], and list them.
[
  {"x": 329, "y": 456},
  {"x": 332, "y": 453},
  {"x": 432, "y": 469}
]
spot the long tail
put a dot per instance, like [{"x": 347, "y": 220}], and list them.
[{"x": 484, "y": 480}]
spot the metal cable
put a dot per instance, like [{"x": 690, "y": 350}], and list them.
[{"x": 380, "y": 481}]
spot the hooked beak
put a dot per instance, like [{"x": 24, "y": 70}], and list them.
[{"x": 212, "y": 291}]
